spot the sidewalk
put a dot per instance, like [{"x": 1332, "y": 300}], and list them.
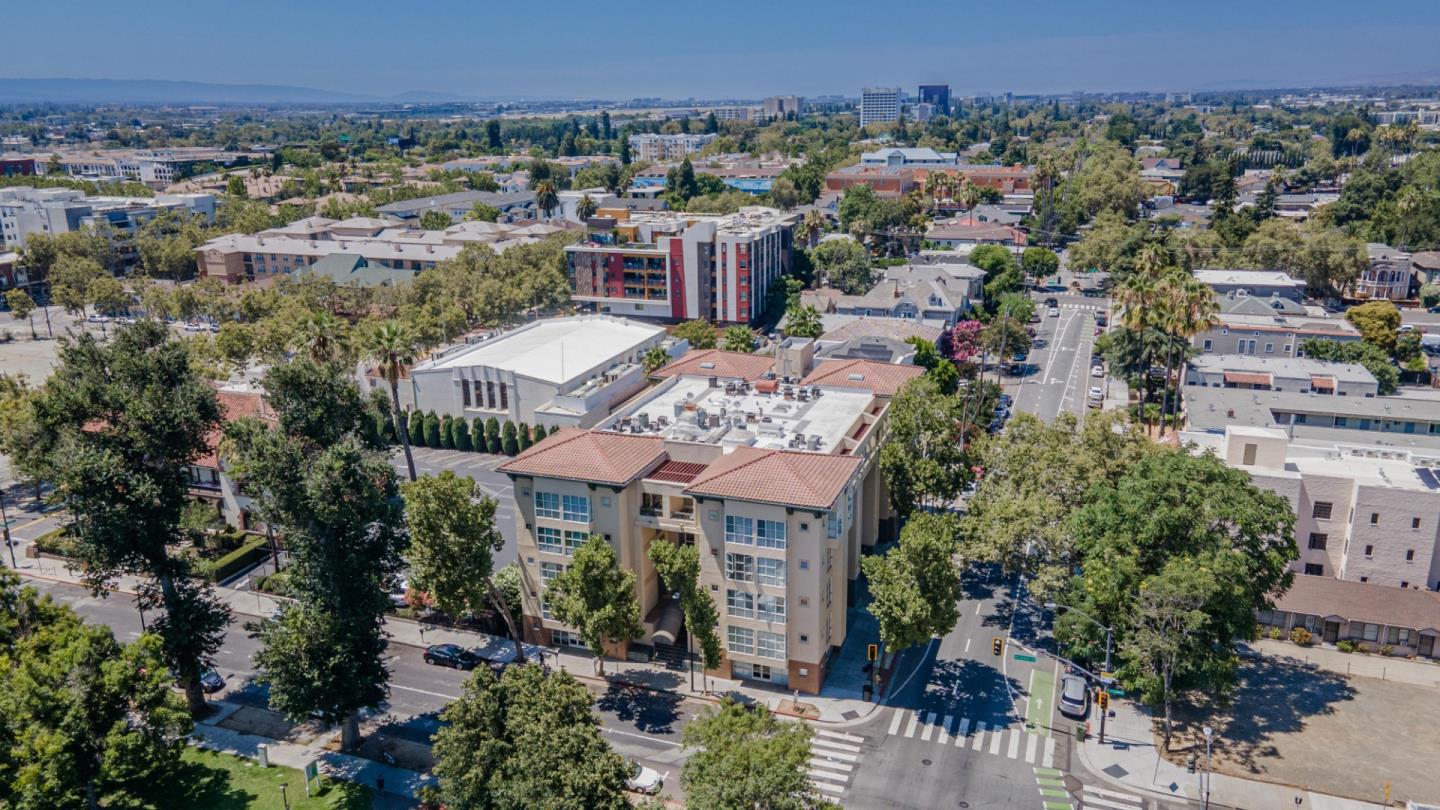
[
  {"x": 1130, "y": 759},
  {"x": 1389, "y": 668}
]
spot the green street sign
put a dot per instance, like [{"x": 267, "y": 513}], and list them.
[
  {"x": 1023, "y": 657},
  {"x": 1116, "y": 692}
]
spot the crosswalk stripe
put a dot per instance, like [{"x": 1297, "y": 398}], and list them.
[
  {"x": 979, "y": 735},
  {"x": 929, "y": 727},
  {"x": 1129, "y": 797},
  {"x": 839, "y": 735},
  {"x": 1039, "y": 772},
  {"x": 1049, "y": 759},
  {"x": 914, "y": 721},
  {"x": 946, "y": 730},
  {"x": 835, "y": 755},
  {"x": 1059, "y": 806},
  {"x": 1053, "y": 793},
  {"x": 1014, "y": 744},
  {"x": 996, "y": 738},
  {"x": 1090, "y": 801},
  {"x": 831, "y": 745},
  {"x": 963, "y": 732},
  {"x": 1032, "y": 743},
  {"x": 895, "y": 723},
  {"x": 827, "y": 787},
  {"x": 1046, "y": 782},
  {"x": 826, "y": 775},
  {"x": 830, "y": 765}
]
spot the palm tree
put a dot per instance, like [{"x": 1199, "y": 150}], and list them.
[
  {"x": 1195, "y": 312},
  {"x": 322, "y": 337},
  {"x": 968, "y": 195},
  {"x": 585, "y": 208},
  {"x": 393, "y": 347},
  {"x": 546, "y": 199},
  {"x": 813, "y": 223}
]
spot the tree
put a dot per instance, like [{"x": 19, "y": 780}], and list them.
[
  {"x": 596, "y": 597},
  {"x": 680, "y": 183},
  {"x": 547, "y": 199},
  {"x": 803, "y": 322},
  {"x": 586, "y": 207},
  {"x": 1039, "y": 262},
  {"x": 88, "y": 720},
  {"x": 699, "y": 333},
  {"x": 235, "y": 186},
  {"x": 678, "y": 567},
  {"x": 746, "y": 758},
  {"x": 1429, "y": 298},
  {"x": 23, "y": 306},
  {"x": 523, "y": 437},
  {"x": 115, "y": 428},
  {"x": 391, "y": 347},
  {"x": 527, "y": 739},
  {"x": 924, "y": 461},
  {"x": 432, "y": 430},
  {"x": 915, "y": 586},
  {"x": 453, "y": 541},
  {"x": 509, "y": 440},
  {"x": 326, "y": 485},
  {"x": 460, "y": 434},
  {"x": 480, "y": 212},
  {"x": 435, "y": 221},
  {"x": 447, "y": 432},
  {"x": 416, "y": 427},
  {"x": 1377, "y": 322},
  {"x": 843, "y": 264},
  {"x": 739, "y": 339},
  {"x": 1168, "y": 624},
  {"x": 655, "y": 357},
  {"x": 492, "y": 436},
  {"x": 70, "y": 280}
]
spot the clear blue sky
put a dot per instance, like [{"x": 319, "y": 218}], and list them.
[{"x": 568, "y": 49}]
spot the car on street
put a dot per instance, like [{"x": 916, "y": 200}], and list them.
[
  {"x": 211, "y": 681},
  {"x": 644, "y": 780},
  {"x": 125, "y": 320},
  {"x": 1052, "y": 302},
  {"x": 97, "y": 319},
  {"x": 1097, "y": 371},
  {"x": 194, "y": 326},
  {"x": 1074, "y": 697},
  {"x": 1096, "y": 397},
  {"x": 1054, "y": 312},
  {"x": 451, "y": 655},
  {"x": 1100, "y": 319}
]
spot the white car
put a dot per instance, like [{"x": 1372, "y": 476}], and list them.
[
  {"x": 195, "y": 327},
  {"x": 644, "y": 780},
  {"x": 124, "y": 320},
  {"x": 1097, "y": 371},
  {"x": 97, "y": 319},
  {"x": 1054, "y": 312}
]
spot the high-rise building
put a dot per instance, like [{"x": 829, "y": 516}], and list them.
[
  {"x": 781, "y": 106},
  {"x": 879, "y": 105},
  {"x": 938, "y": 95}
]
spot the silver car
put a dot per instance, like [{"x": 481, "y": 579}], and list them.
[{"x": 1074, "y": 697}]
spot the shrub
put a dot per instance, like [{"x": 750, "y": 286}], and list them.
[
  {"x": 1346, "y": 646},
  {"x": 509, "y": 440},
  {"x": 417, "y": 428},
  {"x": 460, "y": 434},
  {"x": 492, "y": 436},
  {"x": 477, "y": 435},
  {"x": 1301, "y": 636},
  {"x": 432, "y": 430},
  {"x": 55, "y": 542},
  {"x": 522, "y": 435},
  {"x": 1275, "y": 633},
  {"x": 221, "y": 569},
  {"x": 278, "y": 584},
  {"x": 1387, "y": 649},
  {"x": 447, "y": 432}
]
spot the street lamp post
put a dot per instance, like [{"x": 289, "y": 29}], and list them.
[
  {"x": 1109, "y": 643},
  {"x": 1209, "y": 734}
]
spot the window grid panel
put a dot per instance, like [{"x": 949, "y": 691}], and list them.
[
  {"x": 770, "y": 645},
  {"x": 770, "y": 571},
  {"x": 741, "y": 640},
  {"x": 739, "y": 604}
]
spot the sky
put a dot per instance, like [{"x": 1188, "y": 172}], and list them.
[{"x": 736, "y": 49}]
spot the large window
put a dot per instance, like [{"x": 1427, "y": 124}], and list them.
[
  {"x": 741, "y": 640},
  {"x": 740, "y": 530},
  {"x": 547, "y": 504},
  {"x": 770, "y": 534},
  {"x": 771, "y": 608},
  {"x": 739, "y": 604},
  {"x": 739, "y": 567},
  {"x": 1321, "y": 510},
  {"x": 576, "y": 508},
  {"x": 549, "y": 571},
  {"x": 771, "y": 571},
  {"x": 1318, "y": 541},
  {"x": 574, "y": 540},
  {"x": 548, "y": 540},
  {"x": 770, "y": 645}
]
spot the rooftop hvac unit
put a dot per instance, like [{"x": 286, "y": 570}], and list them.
[
  {"x": 700, "y": 415},
  {"x": 814, "y": 441},
  {"x": 679, "y": 409},
  {"x": 644, "y": 420}
]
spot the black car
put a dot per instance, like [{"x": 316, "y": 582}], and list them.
[
  {"x": 211, "y": 681},
  {"x": 451, "y": 655}
]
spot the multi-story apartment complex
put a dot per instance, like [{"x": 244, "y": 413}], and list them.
[
  {"x": 1270, "y": 335},
  {"x": 879, "y": 105},
  {"x": 774, "y": 481},
  {"x": 1409, "y": 421},
  {"x": 654, "y": 147},
  {"x": 678, "y": 266},
  {"x": 781, "y": 106},
  {"x": 936, "y": 95},
  {"x": 1259, "y": 373},
  {"x": 25, "y": 211},
  {"x": 234, "y": 258},
  {"x": 154, "y": 167}
]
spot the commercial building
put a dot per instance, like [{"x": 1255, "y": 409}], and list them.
[
  {"x": 910, "y": 158},
  {"x": 236, "y": 258},
  {"x": 879, "y": 105},
  {"x": 678, "y": 266},
  {"x": 937, "y": 95},
  {"x": 885, "y": 181},
  {"x": 968, "y": 231},
  {"x": 1257, "y": 373},
  {"x": 653, "y": 147},
  {"x": 781, "y": 106},
  {"x": 774, "y": 482},
  {"x": 568, "y": 372},
  {"x": 25, "y": 211},
  {"x": 156, "y": 168},
  {"x": 933, "y": 294}
]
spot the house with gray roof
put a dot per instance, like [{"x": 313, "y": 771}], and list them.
[{"x": 513, "y": 206}]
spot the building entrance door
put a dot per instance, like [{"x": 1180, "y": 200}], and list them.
[
  {"x": 1427, "y": 645},
  {"x": 1332, "y": 631}
]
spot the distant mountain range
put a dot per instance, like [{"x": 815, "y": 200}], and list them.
[{"x": 155, "y": 91}]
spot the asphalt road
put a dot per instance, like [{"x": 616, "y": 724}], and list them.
[{"x": 1058, "y": 375}]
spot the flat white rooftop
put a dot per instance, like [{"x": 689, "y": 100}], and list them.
[
  {"x": 688, "y": 409},
  {"x": 555, "y": 350}
]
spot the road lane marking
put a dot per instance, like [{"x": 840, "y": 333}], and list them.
[
  {"x": 1093, "y": 801},
  {"x": 929, "y": 729},
  {"x": 967, "y": 646},
  {"x": 1049, "y": 759},
  {"x": 963, "y": 733},
  {"x": 946, "y": 733},
  {"x": 647, "y": 737},
  {"x": 1032, "y": 744},
  {"x": 831, "y": 764},
  {"x": 830, "y": 745},
  {"x": 996, "y": 738},
  {"x": 839, "y": 735},
  {"x": 979, "y": 736},
  {"x": 835, "y": 755},
  {"x": 978, "y": 605},
  {"x": 895, "y": 723},
  {"x": 828, "y": 788},
  {"x": 914, "y": 721},
  {"x": 424, "y": 692},
  {"x": 1014, "y": 744}
]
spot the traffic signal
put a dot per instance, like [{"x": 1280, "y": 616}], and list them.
[
  {"x": 997, "y": 644},
  {"x": 1102, "y": 699},
  {"x": 872, "y": 652}
]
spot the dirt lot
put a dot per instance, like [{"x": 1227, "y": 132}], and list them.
[
  {"x": 1322, "y": 731},
  {"x": 265, "y": 723}
]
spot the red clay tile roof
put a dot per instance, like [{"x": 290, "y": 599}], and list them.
[
  {"x": 882, "y": 379},
  {"x": 802, "y": 480},
  {"x": 582, "y": 455},
  {"x": 733, "y": 365},
  {"x": 677, "y": 472},
  {"x": 233, "y": 405},
  {"x": 1362, "y": 601}
]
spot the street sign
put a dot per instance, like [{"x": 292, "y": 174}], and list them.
[
  {"x": 1023, "y": 657},
  {"x": 1116, "y": 692},
  {"x": 1107, "y": 678}
]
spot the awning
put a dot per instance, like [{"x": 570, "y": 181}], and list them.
[
  {"x": 668, "y": 622},
  {"x": 1247, "y": 378},
  {"x": 1322, "y": 383}
]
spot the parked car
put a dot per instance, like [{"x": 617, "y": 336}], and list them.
[
  {"x": 451, "y": 655},
  {"x": 211, "y": 681},
  {"x": 1097, "y": 371},
  {"x": 97, "y": 319},
  {"x": 1074, "y": 697},
  {"x": 399, "y": 591},
  {"x": 194, "y": 326},
  {"x": 125, "y": 320},
  {"x": 1052, "y": 302},
  {"x": 1006, "y": 401},
  {"x": 1100, "y": 319},
  {"x": 644, "y": 780},
  {"x": 1096, "y": 398}
]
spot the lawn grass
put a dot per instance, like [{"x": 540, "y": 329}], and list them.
[{"x": 218, "y": 781}]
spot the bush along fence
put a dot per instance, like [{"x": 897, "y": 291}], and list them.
[{"x": 457, "y": 433}]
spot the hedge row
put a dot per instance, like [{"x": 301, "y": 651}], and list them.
[
  {"x": 481, "y": 436},
  {"x": 222, "y": 568}
]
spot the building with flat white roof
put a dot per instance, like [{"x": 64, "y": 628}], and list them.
[
  {"x": 1253, "y": 282},
  {"x": 558, "y": 371},
  {"x": 25, "y": 211}
]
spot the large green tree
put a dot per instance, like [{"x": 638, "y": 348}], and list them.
[
  {"x": 596, "y": 597},
  {"x": 678, "y": 566},
  {"x": 925, "y": 460},
  {"x": 700, "y": 334},
  {"x": 843, "y": 264},
  {"x": 915, "y": 586},
  {"x": 453, "y": 541},
  {"x": 116, "y": 428},
  {"x": 746, "y": 758}
]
